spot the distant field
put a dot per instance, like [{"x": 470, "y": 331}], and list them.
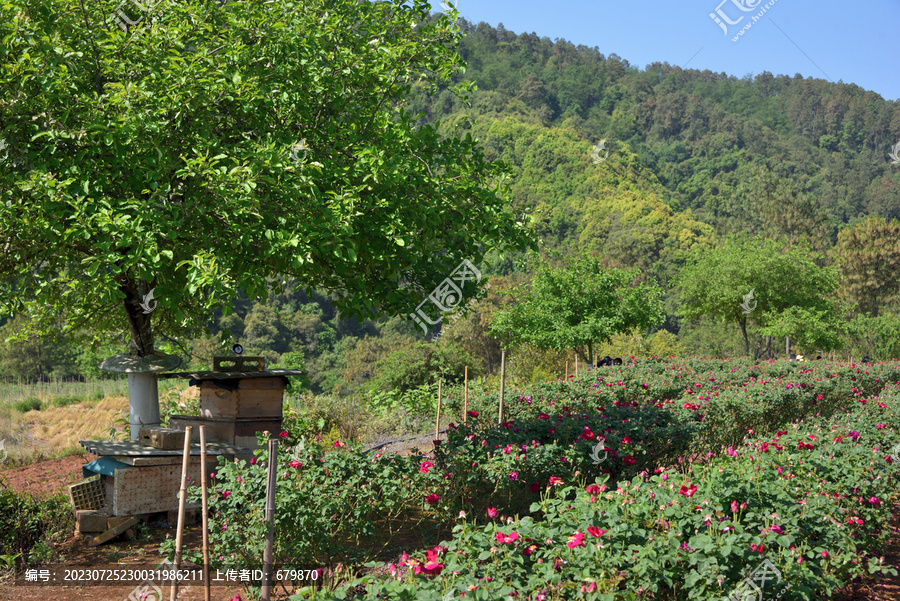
[
  {"x": 15, "y": 391},
  {"x": 47, "y": 392},
  {"x": 41, "y": 420}
]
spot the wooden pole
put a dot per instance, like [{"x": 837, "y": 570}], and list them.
[
  {"x": 182, "y": 497},
  {"x": 466, "y": 394},
  {"x": 567, "y": 371},
  {"x": 205, "y": 513},
  {"x": 502, "y": 383},
  {"x": 437, "y": 423},
  {"x": 270, "y": 521},
  {"x": 576, "y": 366}
]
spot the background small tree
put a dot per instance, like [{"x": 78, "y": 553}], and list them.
[
  {"x": 868, "y": 255},
  {"x": 578, "y": 306},
  {"x": 718, "y": 281}
]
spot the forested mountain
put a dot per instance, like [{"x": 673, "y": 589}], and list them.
[
  {"x": 699, "y": 132},
  {"x": 692, "y": 156}
]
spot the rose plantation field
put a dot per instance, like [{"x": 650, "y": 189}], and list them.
[{"x": 658, "y": 479}]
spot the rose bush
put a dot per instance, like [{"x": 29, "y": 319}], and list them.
[
  {"x": 810, "y": 499},
  {"x": 803, "y": 482}
]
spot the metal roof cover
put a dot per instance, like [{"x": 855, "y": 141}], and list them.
[
  {"x": 130, "y": 448},
  {"x": 105, "y": 465},
  {"x": 126, "y": 363},
  {"x": 232, "y": 375}
]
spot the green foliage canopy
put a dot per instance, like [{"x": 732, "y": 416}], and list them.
[{"x": 209, "y": 148}]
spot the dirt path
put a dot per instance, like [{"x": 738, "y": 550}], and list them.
[{"x": 45, "y": 478}]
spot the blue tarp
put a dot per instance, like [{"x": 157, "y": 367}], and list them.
[{"x": 105, "y": 465}]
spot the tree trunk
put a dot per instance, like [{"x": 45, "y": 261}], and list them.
[
  {"x": 787, "y": 346},
  {"x": 141, "y": 335},
  {"x": 743, "y": 323},
  {"x": 768, "y": 347},
  {"x": 591, "y": 354}
]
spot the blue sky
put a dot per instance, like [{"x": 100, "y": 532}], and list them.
[{"x": 840, "y": 41}]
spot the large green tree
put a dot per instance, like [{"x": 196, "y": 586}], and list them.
[
  {"x": 197, "y": 148},
  {"x": 579, "y": 305}
]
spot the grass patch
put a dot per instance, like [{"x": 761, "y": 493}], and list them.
[{"x": 56, "y": 430}]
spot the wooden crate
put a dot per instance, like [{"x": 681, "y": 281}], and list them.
[
  {"x": 88, "y": 495},
  {"x": 169, "y": 439},
  {"x": 217, "y": 428}
]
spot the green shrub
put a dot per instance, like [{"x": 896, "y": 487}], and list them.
[
  {"x": 29, "y": 527},
  {"x": 326, "y": 504},
  {"x": 29, "y": 404},
  {"x": 65, "y": 401},
  {"x": 805, "y": 481}
]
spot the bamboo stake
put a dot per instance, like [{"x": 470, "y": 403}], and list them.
[
  {"x": 182, "y": 497},
  {"x": 270, "y": 521},
  {"x": 567, "y": 371},
  {"x": 576, "y": 366},
  {"x": 437, "y": 424},
  {"x": 466, "y": 395},
  {"x": 205, "y": 513},
  {"x": 502, "y": 383}
]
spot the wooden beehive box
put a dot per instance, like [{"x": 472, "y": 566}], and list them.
[
  {"x": 151, "y": 489},
  {"x": 253, "y": 397},
  {"x": 239, "y": 431}
]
